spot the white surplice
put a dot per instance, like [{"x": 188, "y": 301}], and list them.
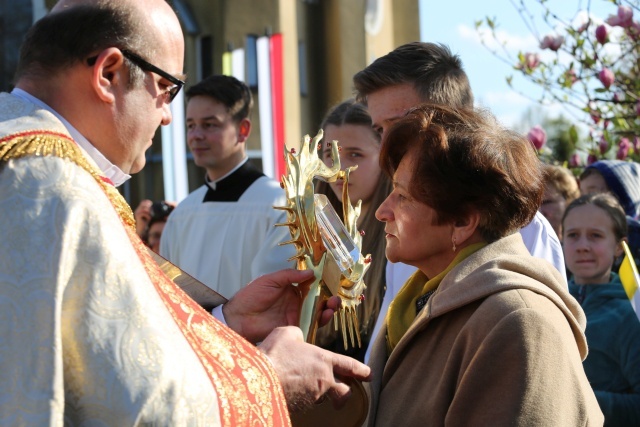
[{"x": 84, "y": 336}]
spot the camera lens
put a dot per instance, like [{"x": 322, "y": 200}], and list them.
[{"x": 160, "y": 209}]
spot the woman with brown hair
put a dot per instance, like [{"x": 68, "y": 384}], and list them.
[{"x": 483, "y": 333}]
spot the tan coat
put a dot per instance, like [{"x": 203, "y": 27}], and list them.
[{"x": 500, "y": 343}]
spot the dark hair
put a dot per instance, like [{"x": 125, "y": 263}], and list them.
[
  {"x": 351, "y": 112},
  {"x": 562, "y": 180},
  {"x": 465, "y": 161},
  {"x": 72, "y": 35},
  {"x": 436, "y": 74},
  {"x": 231, "y": 92},
  {"x": 608, "y": 203},
  {"x": 588, "y": 172}
]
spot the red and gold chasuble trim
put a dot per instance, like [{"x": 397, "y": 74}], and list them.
[{"x": 249, "y": 393}]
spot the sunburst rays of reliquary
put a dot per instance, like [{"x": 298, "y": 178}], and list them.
[{"x": 306, "y": 237}]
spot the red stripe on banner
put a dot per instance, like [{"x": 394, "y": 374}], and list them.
[{"x": 277, "y": 100}]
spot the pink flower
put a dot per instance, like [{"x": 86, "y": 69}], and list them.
[
  {"x": 624, "y": 18},
  {"x": 594, "y": 112},
  {"x": 602, "y": 34},
  {"x": 574, "y": 160},
  {"x": 531, "y": 60},
  {"x": 583, "y": 27},
  {"x": 603, "y": 146},
  {"x": 623, "y": 149},
  {"x": 633, "y": 31},
  {"x": 551, "y": 42},
  {"x": 606, "y": 77},
  {"x": 591, "y": 159},
  {"x": 537, "y": 136}
]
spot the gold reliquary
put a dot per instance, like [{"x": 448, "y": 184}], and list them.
[{"x": 323, "y": 242}]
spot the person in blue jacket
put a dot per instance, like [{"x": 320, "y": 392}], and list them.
[{"x": 594, "y": 227}]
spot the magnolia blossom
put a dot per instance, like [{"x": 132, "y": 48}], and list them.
[
  {"x": 624, "y": 18},
  {"x": 537, "y": 136},
  {"x": 603, "y": 145},
  {"x": 583, "y": 27},
  {"x": 574, "y": 160},
  {"x": 591, "y": 159},
  {"x": 606, "y": 77},
  {"x": 552, "y": 42},
  {"x": 633, "y": 30},
  {"x": 623, "y": 149},
  {"x": 531, "y": 60},
  {"x": 602, "y": 34}
]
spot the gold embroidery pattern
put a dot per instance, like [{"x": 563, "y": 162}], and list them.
[
  {"x": 238, "y": 371},
  {"x": 47, "y": 143}
]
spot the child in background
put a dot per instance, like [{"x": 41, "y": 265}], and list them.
[
  {"x": 622, "y": 179},
  {"x": 594, "y": 227}
]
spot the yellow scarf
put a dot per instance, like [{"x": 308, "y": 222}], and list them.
[{"x": 402, "y": 310}]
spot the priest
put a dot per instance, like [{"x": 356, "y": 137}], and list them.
[{"x": 91, "y": 330}]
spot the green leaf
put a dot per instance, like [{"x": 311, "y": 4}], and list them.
[
  {"x": 621, "y": 123},
  {"x": 573, "y": 135}
]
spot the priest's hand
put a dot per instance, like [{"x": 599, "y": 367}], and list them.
[
  {"x": 271, "y": 301},
  {"x": 307, "y": 372}
]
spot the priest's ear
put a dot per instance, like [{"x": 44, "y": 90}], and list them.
[
  {"x": 244, "y": 130},
  {"x": 109, "y": 74}
]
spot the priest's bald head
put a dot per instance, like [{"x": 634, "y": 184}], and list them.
[{"x": 110, "y": 68}]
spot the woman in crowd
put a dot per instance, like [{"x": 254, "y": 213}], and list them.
[
  {"x": 594, "y": 228},
  {"x": 349, "y": 123},
  {"x": 560, "y": 189},
  {"x": 484, "y": 333}
]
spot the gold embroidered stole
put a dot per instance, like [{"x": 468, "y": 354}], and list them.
[{"x": 248, "y": 390}]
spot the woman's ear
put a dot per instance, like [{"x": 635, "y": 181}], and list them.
[
  {"x": 465, "y": 228},
  {"x": 108, "y": 74}
]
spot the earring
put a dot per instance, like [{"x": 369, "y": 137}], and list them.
[{"x": 454, "y": 244}]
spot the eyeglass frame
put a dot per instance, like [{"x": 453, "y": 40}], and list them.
[{"x": 147, "y": 66}]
